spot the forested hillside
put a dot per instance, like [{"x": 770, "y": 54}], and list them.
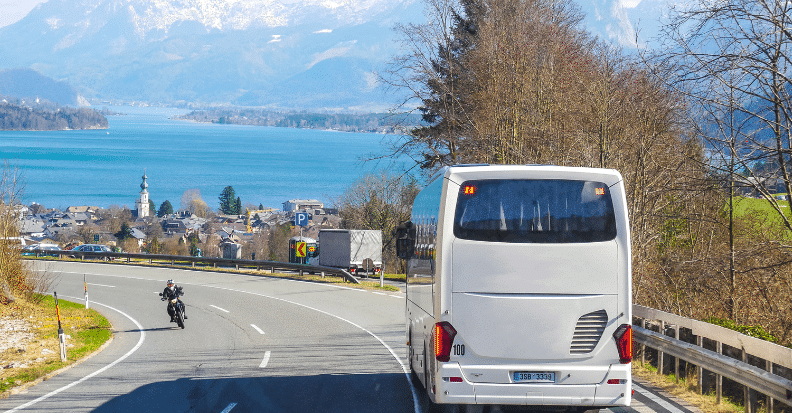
[
  {"x": 17, "y": 117},
  {"x": 520, "y": 82},
  {"x": 373, "y": 122}
]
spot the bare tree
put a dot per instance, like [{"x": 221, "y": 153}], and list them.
[
  {"x": 379, "y": 201},
  {"x": 13, "y": 280}
]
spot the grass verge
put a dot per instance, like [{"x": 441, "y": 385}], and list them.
[{"x": 34, "y": 352}]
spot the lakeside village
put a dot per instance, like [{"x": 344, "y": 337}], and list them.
[{"x": 257, "y": 234}]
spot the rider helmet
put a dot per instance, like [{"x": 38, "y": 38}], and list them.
[{"x": 170, "y": 283}]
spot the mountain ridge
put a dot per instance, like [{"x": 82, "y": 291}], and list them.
[{"x": 220, "y": 52}]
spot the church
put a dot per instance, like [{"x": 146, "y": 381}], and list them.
[{"x": 142, "y": 204}]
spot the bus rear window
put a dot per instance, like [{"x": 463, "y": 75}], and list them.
[{"x": 534, "y": 211}]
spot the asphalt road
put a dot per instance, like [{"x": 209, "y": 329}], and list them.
[{"x": 251, "y": 344}]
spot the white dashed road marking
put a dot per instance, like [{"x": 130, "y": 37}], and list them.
[
  {"x": 257, "y": 329},
  {"x": 221, "y": 309},
  {"x": 265, "y": 361},
  {"x": 228, "y": 408},
  {"x": 102, "y": 285}
]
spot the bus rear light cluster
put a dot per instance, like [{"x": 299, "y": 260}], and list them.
[
  {"x": 623, "y": 337},
  {"x": 453, "y": 379},
  {"x": 444, "y": 335},
  {"x": 617, "y": 381}
]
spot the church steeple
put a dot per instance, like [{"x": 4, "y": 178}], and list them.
[{"x": 142, "y": 204}]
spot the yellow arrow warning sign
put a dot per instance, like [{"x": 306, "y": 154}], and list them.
[{"x": 300, "y": 253}]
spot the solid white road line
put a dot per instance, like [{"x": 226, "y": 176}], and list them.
[
  {"x": 68, "y": 386},
  {"x": 257, "y": 329},
  {"x": 221, "y": 309},
  {"x": 396, "y": 296},
  {"x": 670, "y": 407},
  {"x": 228, "y": 408},
  {"x": 102, "y": 285},
  {"x": 379, "y": 293},
  {"x": 265, "y": 361}
]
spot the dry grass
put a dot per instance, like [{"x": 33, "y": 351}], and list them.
[
  {"x": 686, "y": 390},
  {"x": 36, "y": 352}
]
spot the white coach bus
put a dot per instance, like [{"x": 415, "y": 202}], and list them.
[{"x": 519, "y": 287}]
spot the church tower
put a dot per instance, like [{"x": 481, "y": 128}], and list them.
[{"x": 142, "y": 204}]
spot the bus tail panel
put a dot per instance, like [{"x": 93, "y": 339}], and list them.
[{"x": 534, "y": 328}]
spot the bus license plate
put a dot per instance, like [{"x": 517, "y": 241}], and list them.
[{"x": 533, "y": 377}]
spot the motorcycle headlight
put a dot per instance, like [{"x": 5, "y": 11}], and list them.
[{"x": 173, "y": 301}]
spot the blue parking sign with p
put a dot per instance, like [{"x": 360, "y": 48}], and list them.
[{"x": 301, "y": 219}]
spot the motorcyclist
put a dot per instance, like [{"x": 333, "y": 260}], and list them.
[{"x": 170, "y": 292}]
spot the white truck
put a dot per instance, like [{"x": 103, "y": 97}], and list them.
[{"x": 350, "y": 248}]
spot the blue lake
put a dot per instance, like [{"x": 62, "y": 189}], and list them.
[{"x": 264, "y": 165}]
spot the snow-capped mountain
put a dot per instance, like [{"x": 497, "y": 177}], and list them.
[
  {"x": 212, "y": 51},
  {"x": 306, "y": 54}
]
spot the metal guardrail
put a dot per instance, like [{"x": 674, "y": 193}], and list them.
[
  {"x": 214, "y": 262},
  {"x": 775, "y": 387}
]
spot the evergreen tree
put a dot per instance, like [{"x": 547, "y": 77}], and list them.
[
  {"x": 238, "y": 206},
  {"x": 447, "y": 108},
  {"x": 228, "y": 201},
  {"x": 154, "y": 246},
  {"x": 165, "y": 209},
  {"x": 124, "y": 233},
  {"x": 152, "y": 207}
]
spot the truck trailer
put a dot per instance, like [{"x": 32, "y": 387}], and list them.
[{"x": 349, "y": 248}]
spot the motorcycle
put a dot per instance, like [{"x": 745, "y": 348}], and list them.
[{"x": 176, "y": 307}]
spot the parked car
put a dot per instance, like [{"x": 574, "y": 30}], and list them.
[
  {"x": 41, "y": 250},
  {"x": 93, "y": 248}
]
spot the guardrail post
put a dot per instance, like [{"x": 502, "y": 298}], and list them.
[
  {"x": 769, "y": 368},
  {"x": 127, "y": 260},
  {"x": 719, "y": 378},
  {"x": 643, "y": 346},
  {"x": 272, "y": 270},
  {"x": 749, "y": 396},
  {"x": 676, "y": 359},
  {"x": 699, "y": 369},
  {"x": 301, "y": 273},
  {"x": 322, "y": 274},
  {"x": 193, "y": 264},
  {"x": 660, "y": 353}
]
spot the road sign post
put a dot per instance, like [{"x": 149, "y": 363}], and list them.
[{"x": 61, "y": 335}]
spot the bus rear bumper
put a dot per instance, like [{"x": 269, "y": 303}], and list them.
[{"x": 603, "y": 394}]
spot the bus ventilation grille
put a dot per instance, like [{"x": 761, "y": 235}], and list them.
[{"x": 588, "y": 332}]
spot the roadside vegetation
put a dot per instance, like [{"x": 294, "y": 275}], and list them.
[
  {"x": 521, "y": 82},
  {"x": 29, "y": 346},
  {"x": 30, "y": 350}
]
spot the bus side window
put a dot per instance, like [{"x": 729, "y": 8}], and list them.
[{"x": 405, "y": 240}]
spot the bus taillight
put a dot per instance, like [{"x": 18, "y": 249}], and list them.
[
  {"x": 623, "y": 336},
  {"x": 443, "y": 339}
]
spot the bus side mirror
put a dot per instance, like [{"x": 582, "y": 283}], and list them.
[{"x": 405, "y": 240}]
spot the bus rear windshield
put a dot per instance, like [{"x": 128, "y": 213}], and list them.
[{"x": 534, "y": 211}]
